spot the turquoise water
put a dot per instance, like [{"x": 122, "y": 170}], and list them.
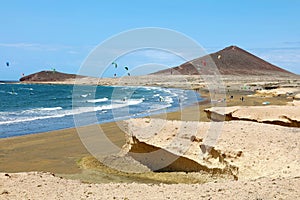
[{"x": 29, "y": 108}]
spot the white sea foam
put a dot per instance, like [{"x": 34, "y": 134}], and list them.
[
  {"x": 129, "y": 102},
  {"x": 50, "y": 109},
  {"x": 98, "y": 100},
  {"x": 39, "y": 110},
  {"x": 12, "y": 93},
  {"x": 169, "y": 100},
  {"x": 29, "y": 119},
  {"x": 119, "y": 104},
  {"x": 26, "y": 89},
  {"x": 56, "y": 112}
]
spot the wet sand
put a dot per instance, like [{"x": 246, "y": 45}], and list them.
[{"x": 56, "y": 151}]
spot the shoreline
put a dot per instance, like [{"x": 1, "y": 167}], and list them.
[
  {"x": 61, "y": 151},
  {"x": 50, "y": 145},
  {"x": 199, "y": 107}
]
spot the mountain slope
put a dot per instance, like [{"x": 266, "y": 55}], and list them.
[
  {"x": 229, "y": 61},
  {"x": 48, "y": 76}
]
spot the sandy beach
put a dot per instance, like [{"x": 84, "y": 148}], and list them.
[{"x": 62, "y": 153}]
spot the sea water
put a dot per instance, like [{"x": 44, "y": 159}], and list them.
[{"x": 33, "y": 108}]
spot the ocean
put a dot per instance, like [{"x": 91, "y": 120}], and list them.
[{"x": 33, "y": 108}]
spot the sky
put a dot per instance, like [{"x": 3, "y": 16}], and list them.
[{"x": 42, "y": 35}]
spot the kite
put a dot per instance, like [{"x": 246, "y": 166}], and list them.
[
  {"x": 115, "y": 64},
  {"x": 126, "y": 68},
  {"x": 7, "y": 64}
]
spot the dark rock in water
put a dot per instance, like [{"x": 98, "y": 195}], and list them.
[
  {"x": 229, "y": 61},
  {"x": 49, "y": 76}
]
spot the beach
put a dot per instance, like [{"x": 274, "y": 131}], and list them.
[
  {"x": 130, "y": 100},
  {"x": 63, "y": 154}
]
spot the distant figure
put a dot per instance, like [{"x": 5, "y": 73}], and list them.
[
  {"x": 242, "y": 98},
  {"x": 231, "y": 97},
  {"x": 161, "y": 99}
]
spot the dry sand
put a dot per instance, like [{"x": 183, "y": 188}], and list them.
[{"x": 37, "y": 185}]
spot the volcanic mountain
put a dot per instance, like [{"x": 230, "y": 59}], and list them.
[
  {"x": 48, "y": 76},
  {"x": 230, "y": 61}
]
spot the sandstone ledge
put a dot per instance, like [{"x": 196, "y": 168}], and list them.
[
  {"x": 279, "y": 115},
  {"x": 243, "y": 150}
]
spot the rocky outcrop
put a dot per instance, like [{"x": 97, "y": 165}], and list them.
[
  {"x": 276, "y": 92},
  {"x": 142, "y": 152},
  {"x": 243, "y": 149},
  {"x": 279, "y": 115},
  {"x": 176, "y": 148},
  {"x": 297, "y": 96}
]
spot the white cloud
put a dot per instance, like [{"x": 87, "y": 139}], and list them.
[
  {"x": 17, "y": 45},
  {"x": 73, "y": 52}
]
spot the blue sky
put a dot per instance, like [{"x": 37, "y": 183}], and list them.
[{"x": 40, "y": 35}]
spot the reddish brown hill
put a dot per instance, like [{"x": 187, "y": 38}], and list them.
[
  {"x": 48, "y": 76},
  {"x": 229, "y": 61}
]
